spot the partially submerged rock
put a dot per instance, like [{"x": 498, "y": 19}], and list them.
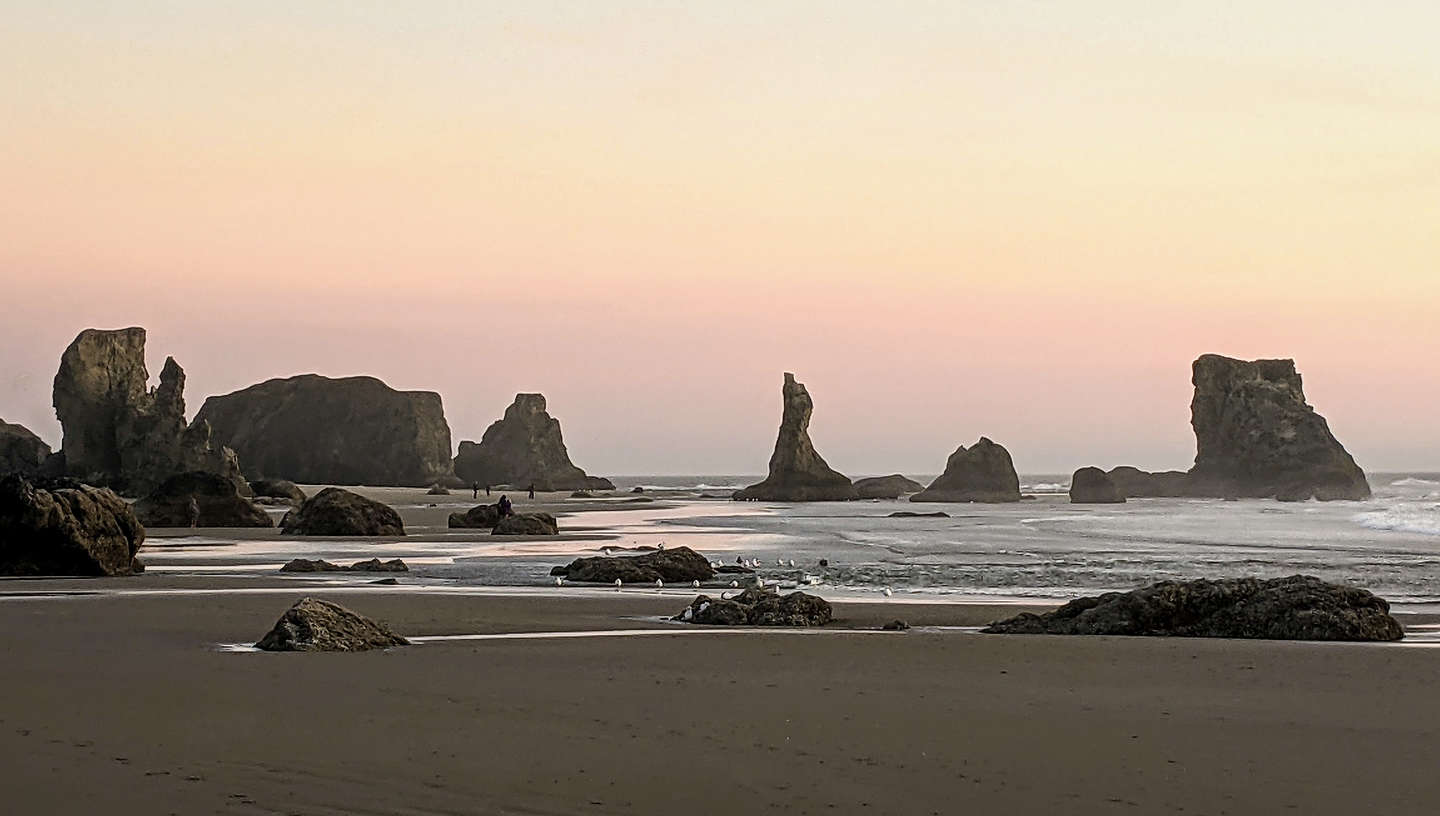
[
  {"x": 484, "y": 516},
  {"x": 797, "y": 472},
  {"x": 199, "y": 499},
  {"x": 673, "y": 565},
  {"x": 335, "y": 511},
  {"x": 323, "y": 430},
  {"x": 756, "y": 607},
  {"x": 278, "y": 489},
  {"x": 527, "y": 524},
  {"x": 983, "y": 472},
  {"x": 313, "y": 625},
  {"x": 1296, "y": 608},
  {"x": 913, "y": 514},
  {"x": 886, "y": 487},
  {"x": 21, "y": 451},
  {"x": 524, "y": 448},
  {"x": 1091, "y": 485},
  {"x": 321, "y": 565},
  {"x": 66, "y": 528}
]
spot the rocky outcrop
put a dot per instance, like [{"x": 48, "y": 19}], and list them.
[
  {"x": 797, "y": 471},
  {"x": 21, "y": 451},
  {"x": 1134, "y": 483},
  {"x": 199, "y": 499},
  {"x": 313, "y": 625},
  {"x": 120, "y": 434},
  {"x": 527, "y": 524},
  {"x": 886, "y": 487},
  {"x": 675, "y": 565},
  {"x": 1091, "y": 485},
  {"x": 1256, "y": 436},
  {"x": 983, "y": 472},
  {"x": 66, "y": 528},
  {"x": 484, "y": 516},
  {"x": 913, "y": 514},
  {"x": 321, "y": 565},
  {"x": 278, "y": 489},
  {"x": 756, "y": 607},
  {"x": 347, "y": 431},
  {"x": 524, "y": 448},
  {"x": 338, "y": 512},
  {"x": 1296, "y": 608}
]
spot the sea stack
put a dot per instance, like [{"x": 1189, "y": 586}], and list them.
[
  {"x": 1091, "y": 485},
  {"x": 348, "y": 430},
  {"x": 983, "y": 472},
  {"x": 21, "y": 451},
  {"x": 120, "y": 434},
  {"x": 524, "y": 448},
  {"x": 1256, "y": 437},
  {"x": 797, "y": 471}
]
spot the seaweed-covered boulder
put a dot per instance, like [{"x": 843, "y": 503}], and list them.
[
  {"x": 335, "y": 511},
  {"x": 484, "y": 516},
  {"x": 675, "y": 565},
  {"x": 1299, "y": 607},
  {"x": 313, "y": 625},
  {"x": 797, "y": 471},
  {"x": 983, "y": 472},
  {"x": 66, "y": 528},
  {"x": 756, "y": 607},
  {"x": 200, "y": 499},
  {"x": 321, "y": 565},
  {"x": 21, "y": 451},
  {"x": 1091, "y": 485},
  {"x": 278, "y": 489},
  {"x": 886, "y": 487},
  {"x": 527, "y": 524},
  {"x": 524, "y": 448}
]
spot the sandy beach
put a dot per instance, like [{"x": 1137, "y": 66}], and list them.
[{"x": 126, "y": 703}]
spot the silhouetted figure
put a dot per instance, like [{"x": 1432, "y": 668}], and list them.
[
  {"x": 487, "y": 488},
  {"x": 532, "y": 491},
  {"x": 475, "y": 490},
  {"x": 504, "y": 505},
  {"x": 194, "y": 510}
]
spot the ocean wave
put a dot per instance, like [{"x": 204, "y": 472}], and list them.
[
  {"x": 1416, "y": 520},
  {"x": 1414, "y": 482},
  {"x": 1045, "y": 487},
  {"x": 701, "y": 486}
]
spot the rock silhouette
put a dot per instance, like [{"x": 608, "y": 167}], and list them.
[
  {"x": 524, "y": 448},
  {"x": 217, "y": 503},
  {"x": 21, "y": 451},
  {"x": 1134, "y": 483},
  {"x": 886, "y": 487},
  {"x": 66, "y": 528},
  {"x": 673, "y": 565},
  {"x": 338, "y": 512},
  {"x": 345, "y": 431},
  {"x": 797, "y": 472},
  {"x": 313, "y": 625},
  {"x": 983, "y": 472},
  {"x": 1091, "y": 485},
  {"x": 756, "y": 607}
]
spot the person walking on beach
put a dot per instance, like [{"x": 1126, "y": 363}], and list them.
[
  {"x": 532, "y": 491},
  {"x": 475, "y": 490},
  {"x": 487, "y": 488},
  {"x": 194, "y": 512},
  {"x": 504, "y": 505}
]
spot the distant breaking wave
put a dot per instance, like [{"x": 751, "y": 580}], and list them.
[
  {"x": 1412, "y": 519},
  {"x": 1414, "y": 482}
]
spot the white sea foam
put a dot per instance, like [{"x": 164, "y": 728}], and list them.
[
  {"x": 1417, "y": 519},
  {"x": 1414, "y": 482},
  {"x": 1045, "y": 487}
]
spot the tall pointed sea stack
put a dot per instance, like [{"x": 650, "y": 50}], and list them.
[
  {"x": 983, "y": 472},
  {"x": 119, "y": 434},
  {"x": 797, "y": 472},
  {"x": 524, "y": 448},
  {"x": 1255, "y": 436}
]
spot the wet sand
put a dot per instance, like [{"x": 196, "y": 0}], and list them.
[{"x": 123, "y": 704}]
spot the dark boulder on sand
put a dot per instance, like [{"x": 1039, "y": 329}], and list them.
[
  {"x": 1091, "y": 485},
  {"x": 983, "y": 472},
  {"x": 338, "y": 512},
  {"x": 323, "y": 430},
  {"x": 278, "y": 489},
  {"x": 797, "y": 472},
  {"x": 1134, "y": 483},
  {"x": 66, "y": 528},
  {"x": 524, "y": 448},
  {"x": 674, "y": 565},
  {"x": 313, "y": 625},
  {"x": 484, "y": 516},
  {"x": 211, "y": 498},
  {"x": 886, "y": 487},
  {"x": 21, "y": 451},
  {"x": 371, "y": 565},
  {"x": 756, "y": 607},
  {"x": 913, "y": 514},
  {"x": 527, "y": 524},
  {"x": 438, "y": 490},
  {"x": 1296, "y": 608}
]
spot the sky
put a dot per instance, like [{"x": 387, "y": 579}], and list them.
[{"x": 950, "y": 219}]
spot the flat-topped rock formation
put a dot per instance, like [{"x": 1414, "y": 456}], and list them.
[
  {"x": 323, "y": 430},
  {"x": 338, "y": 512},
  {"x": 120, "y": 434},
  {"x": 21, "y": 451},
  {"x": 199, "y": 499},
  {"x": 524, "y": 448},
  {"x": 62, "y": 527},
  {"x": 886, "y": 487},
  {"x": 1256, "y": 436},
  {"x": 1091, "y": 485},
  {"x": 1296, "y": 608},
  {"x": 797, "y": 472},
  {"x": 983, "y": 472},
  {"x": 313, "y": 625},
  {"x": 1134, "y": 483}
]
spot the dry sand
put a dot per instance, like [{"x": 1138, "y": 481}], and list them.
[{"x": 121, "y": 704}]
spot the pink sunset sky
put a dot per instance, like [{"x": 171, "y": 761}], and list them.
[{"x": 949, "y": 219}]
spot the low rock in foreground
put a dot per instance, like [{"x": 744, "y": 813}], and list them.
[
  {"x": 67, "y": 529},
  {"x": 199, "y": 499},
  {"x": 337, "y": 512},
  {"x": 1296, "y": 608},
  {"x": 676, "y": 565},
  {"x": 527, "y": 524},
  {"x": 372, "y": 565},
  {"x": 756, "y": 607},
  {"x": 313, "y": 625}
]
